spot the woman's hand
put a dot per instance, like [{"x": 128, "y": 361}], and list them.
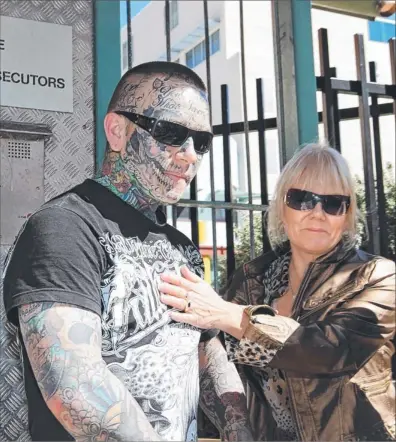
[{"x": 198, "y": 303}]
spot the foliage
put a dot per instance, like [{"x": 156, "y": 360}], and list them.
[
  {"x": 243, "y": 245},
  {"x": 242, "y": 234},
  {"x": 390, "y": 209}
]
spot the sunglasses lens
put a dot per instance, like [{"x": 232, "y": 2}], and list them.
[
  {"x": 299, "y": 199},
  {"x": 303, "y": 200},
  {"x": 335, "y": 205},
  {"x": 170, "y": 133},
  {"x": 202, "y": 142}
]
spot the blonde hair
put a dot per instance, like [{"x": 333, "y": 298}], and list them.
[{"x": 309, "y": 167}]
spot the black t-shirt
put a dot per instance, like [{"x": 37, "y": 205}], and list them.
[{"x": 90, "y": 249}]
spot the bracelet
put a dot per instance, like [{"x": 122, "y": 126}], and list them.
[{"x": 252, "y": 310}]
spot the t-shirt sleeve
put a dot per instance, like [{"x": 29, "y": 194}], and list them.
[{"x": 57, "y": 258}]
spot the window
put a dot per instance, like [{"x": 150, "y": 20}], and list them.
[
  {"x": 215, "y": 42},
  {"x": 190, "y": 59},
  {"x": 174, "y": 14},
  {"x": 197, "y": 54}
]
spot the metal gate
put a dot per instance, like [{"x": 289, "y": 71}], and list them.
[{"x": 369, "y": 112}]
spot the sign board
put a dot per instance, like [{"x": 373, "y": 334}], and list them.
[{"x": 36, "y": 65}]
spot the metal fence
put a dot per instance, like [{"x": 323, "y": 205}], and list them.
[{"x": 368, "y": 113}]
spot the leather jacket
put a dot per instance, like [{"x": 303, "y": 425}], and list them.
[{"x": 335, "y": 351}]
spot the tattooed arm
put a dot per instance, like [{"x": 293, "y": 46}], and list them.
[
  {"x": 222, "y": 395},
  {"x": 63, "y": 344}
]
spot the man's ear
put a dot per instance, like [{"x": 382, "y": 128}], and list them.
[{"x": 116, "y": 131}]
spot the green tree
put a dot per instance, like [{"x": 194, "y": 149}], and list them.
[
  {"x": 243, "y": 245},
  {"x": 242, "y": 233},
  {"x": 390, "y": 209}
]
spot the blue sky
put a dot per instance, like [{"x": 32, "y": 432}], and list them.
[{"x": 136, "y": 7}]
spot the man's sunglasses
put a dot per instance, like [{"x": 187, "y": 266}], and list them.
[
  {"x": 171, "y": 134},
  {"x": 298, "y": 199}
]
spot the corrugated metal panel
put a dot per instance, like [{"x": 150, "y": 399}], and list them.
[{"x": 69, "y": 158}]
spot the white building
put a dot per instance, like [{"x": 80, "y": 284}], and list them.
[{"x": 188, "y": 47}]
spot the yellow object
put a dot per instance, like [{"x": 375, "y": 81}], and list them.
[
  {"x": 202, "y": 237},
  {"x": 208, "y": 271}
]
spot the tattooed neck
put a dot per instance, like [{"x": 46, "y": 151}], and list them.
[{"x": 123, "y": 183}]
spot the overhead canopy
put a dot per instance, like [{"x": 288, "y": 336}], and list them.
[{"x": 369, "y": 9}]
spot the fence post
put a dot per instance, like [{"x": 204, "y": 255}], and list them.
[
  {"x": 107, "y": 64},
  {"x": 297, "y": 118},
  {"x": 286, "y": 98},
  {"x": 305, "y": 72}
]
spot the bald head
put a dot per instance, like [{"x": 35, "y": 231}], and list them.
[{"x": 163, "y": 90}]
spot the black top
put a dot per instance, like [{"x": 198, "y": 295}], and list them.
[{"x": 90, "y": 249}]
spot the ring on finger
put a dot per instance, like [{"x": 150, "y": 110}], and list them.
[{"x": 188, "y": 305}]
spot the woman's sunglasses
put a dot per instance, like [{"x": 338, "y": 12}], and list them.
[
  {"x": 171, "y": 134},
  {"x": 298, "y": 199}
]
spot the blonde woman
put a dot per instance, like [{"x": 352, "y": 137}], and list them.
[{"x": 309, "y": 325}]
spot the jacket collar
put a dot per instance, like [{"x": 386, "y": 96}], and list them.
[{"x": 274, "y": 277}]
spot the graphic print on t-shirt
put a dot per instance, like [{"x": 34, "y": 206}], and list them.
[{"x": 155, "y": 358}]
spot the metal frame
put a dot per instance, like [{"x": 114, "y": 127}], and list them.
[{"x": 290, "y": 125}]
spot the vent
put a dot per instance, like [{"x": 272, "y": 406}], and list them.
[{"x": 19, "y": 149}]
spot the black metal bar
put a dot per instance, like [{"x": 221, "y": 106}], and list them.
[
  {"x": 392, "y": 54},
  {"x": 129, "y": 30},
  {"x": 167, "y": 30},
  {"x": 218, "y": 205},
  {"x": 364, "y": 113},
  {"x": 246, "y": 130},
  {"x": 262, "y": 159},
  {"x": 174, "y": 215},
  {"x": 227, "y": 180},
  {"x": 354, "y": 87},
  {"x": 336, "y": 115},
  {"x": 237, "y": 128},
  {"x": 211, "y": 153},
  {"x": 383, "y": 231},
  {"x": 194, "y": 214},
  {"x": 350, "y": 113},
  {"x": 327, "y": 93}
]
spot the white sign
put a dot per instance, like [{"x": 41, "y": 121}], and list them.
[{"x": 36, "y": 65}]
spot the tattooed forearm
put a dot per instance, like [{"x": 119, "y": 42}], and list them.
[
  {"x": 64, "y": 348},
  {"x": 222, "y": 395}
]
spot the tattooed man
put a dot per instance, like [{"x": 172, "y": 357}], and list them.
[{"x": 102, "y": 359}]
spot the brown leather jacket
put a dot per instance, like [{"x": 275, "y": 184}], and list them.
[{"x": 334, "y": 351}]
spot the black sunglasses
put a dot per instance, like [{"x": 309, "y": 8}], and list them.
[
  {"x": 169, "y": 133},
  {"x": 298, "y": 199}
]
